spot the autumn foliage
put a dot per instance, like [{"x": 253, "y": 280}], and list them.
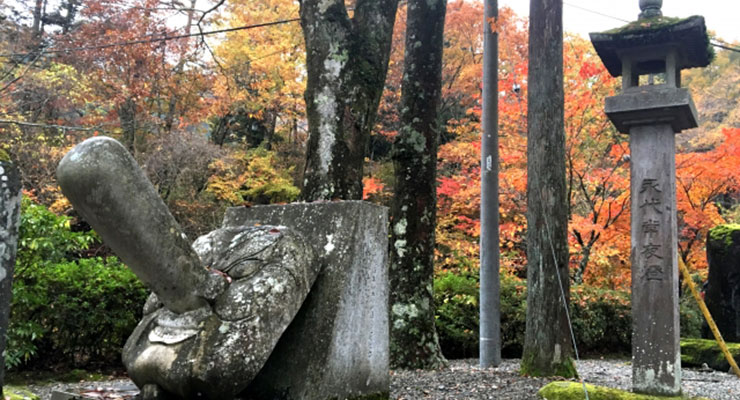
[{"x": 220, "y": 120}]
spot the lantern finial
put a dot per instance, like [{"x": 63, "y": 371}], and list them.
[{"x": 650, "y": 8}]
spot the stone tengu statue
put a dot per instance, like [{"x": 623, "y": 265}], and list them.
[{"x": 218, "y": 307}]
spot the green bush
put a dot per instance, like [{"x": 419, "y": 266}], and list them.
[
  {"x": 456, "y": 297},
  {"x": 691, "y": 317},
  {"x": 46, "y": 238},
  {"x": 602, "y": 318},
  {"x": 66, "y": 308},
  {"x": 456, "y": 319}
]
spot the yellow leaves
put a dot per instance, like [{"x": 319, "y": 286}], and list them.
[
  {"x": 264, "y": 67},
  {"x": 251, "y": 176}
]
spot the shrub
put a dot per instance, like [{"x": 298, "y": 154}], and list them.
[
  {"x": 456, "y": 320},
  {"x": 66, "y": 308},
  {"x": 601, "y": 318},
  {"x": 691, "y": 317},
  {"x": 456, "y": 297}
]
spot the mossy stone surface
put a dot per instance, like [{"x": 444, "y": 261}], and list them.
[
  {"x": 574, "y": 391},
  {"x": 19, "y": 393},
  {"x": 648, "y": 24},
  {"x": 695, "y": 352},
  {"x": 722, "y": 235}
]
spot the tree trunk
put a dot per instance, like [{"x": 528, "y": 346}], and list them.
[
  {"x": 37, "y": 14},
  {"x": 127, "y": 118},
  {"x": 169, "y": 119},
  {"x": 271, "y": 120},
  {"x": 346, "y": 62},
  {"x": 414, "y": 342},
  {"x": 547, "y": 346}
]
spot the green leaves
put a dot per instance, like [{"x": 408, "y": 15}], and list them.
[
  {"x": 46, "y": 238},
  {"x": 66, "y": 307}
]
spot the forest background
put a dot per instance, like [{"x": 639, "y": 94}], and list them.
[{"x": 219, "y": 120}]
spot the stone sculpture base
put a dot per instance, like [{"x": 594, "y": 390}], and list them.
[{"x": 337, "y": 345}]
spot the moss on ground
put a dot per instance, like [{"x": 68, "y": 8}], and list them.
[
  {"x": 566, "y": 369},
  {"x": 574, "y": 391},
  {"x": 23, "y": 378},
  {"x": 18, "y": 393},
  {"x": 695, "y": 352}
]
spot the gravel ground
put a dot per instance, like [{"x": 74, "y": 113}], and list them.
[{"x": 463, "y": 380}]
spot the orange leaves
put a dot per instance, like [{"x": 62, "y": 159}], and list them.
[
  {"x": 448, "y": 187},
  {"x": 371, "y": 186},
  {"x": 590, "y": 69},
  {"x": 701, "y": 179},
  {"x": 493, "y": 24}
]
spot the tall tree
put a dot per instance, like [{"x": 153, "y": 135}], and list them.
[
  {"x": 414, "y": 342},
  {"x": 346, "y": 62},
  {"x": 547, "y": 346}
]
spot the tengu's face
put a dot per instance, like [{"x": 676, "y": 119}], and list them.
[{"x": 216, "y": 351}]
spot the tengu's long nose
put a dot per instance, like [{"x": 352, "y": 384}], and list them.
[{"x": 109, "y": 190}]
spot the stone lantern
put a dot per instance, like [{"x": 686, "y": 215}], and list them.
[{"x": 649, "y": 55}]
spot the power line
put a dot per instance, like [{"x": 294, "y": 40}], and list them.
[
  {"x": 152, "y": 40},
  {"x": 36, "y": 125},
  {"x": 595, "y": 12},
  {"x": 725, "y": 46}
]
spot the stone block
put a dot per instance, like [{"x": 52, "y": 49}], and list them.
[
  {"x": 723, "y": 282},
  {"x": 337, "y": 345},
  {"x": 649, "y": 105},
  {"x": 697, "y": 352}
]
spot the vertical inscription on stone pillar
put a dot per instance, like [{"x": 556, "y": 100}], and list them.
[
  {"x": 656, "y": 359},
  {"x": 651, "y": 199}
]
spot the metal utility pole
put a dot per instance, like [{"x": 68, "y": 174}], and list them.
[{"x": 490, "y": 316}]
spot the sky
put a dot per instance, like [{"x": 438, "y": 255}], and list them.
[{"x": 722, "y": 16}]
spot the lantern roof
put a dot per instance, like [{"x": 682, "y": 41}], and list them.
[{"x": 688, "y": 36}]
